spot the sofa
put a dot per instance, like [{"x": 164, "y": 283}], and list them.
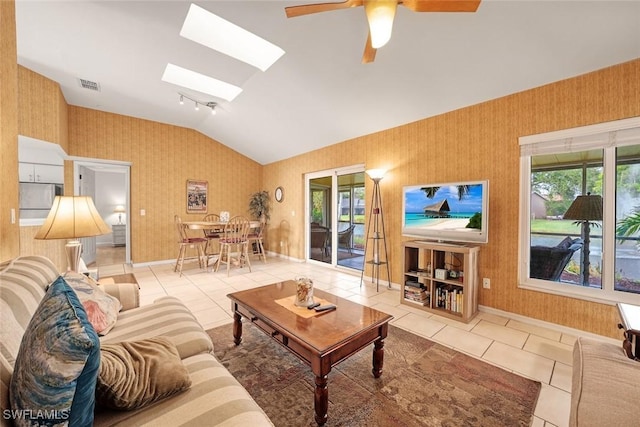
[
  {"x": 605, "y": 385},
  {"x": 209, "y": 394}
]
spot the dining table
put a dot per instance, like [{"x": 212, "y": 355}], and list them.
[
  {"x": 216, "y": 227},
  {"x": 213, "y": 225}
]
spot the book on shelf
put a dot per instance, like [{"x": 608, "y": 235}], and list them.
[
  {"x": 450, "y": 299},
  {"x": 418, "y": 295},
  {"x": 413, "y": 284}
]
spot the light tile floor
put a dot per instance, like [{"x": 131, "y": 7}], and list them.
[{"x": 535, "y": 352}]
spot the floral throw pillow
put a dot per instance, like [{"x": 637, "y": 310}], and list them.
[{"x": 102, "y": 309}]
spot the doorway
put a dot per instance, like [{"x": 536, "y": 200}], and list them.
[
  {"x": 335, "y": 209},
  {"x": 108, "y": 185}
]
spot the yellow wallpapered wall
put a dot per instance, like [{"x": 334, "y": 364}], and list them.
[
  {"x": 43, "y": 109},
  {"x": 163, "y": 158},
  {"x": 42, "y": 114},
  {"x": 478, "y": 142},
  {"x": 9, "y": 233}
]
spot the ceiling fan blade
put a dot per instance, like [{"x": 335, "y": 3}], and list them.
[
  {"x": 441, "y": 5},
  {"x": 307, "y": 9},
  {"x": 369, "y": 54}
]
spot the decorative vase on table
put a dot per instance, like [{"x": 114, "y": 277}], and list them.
[{"x": 304, "y": 292}]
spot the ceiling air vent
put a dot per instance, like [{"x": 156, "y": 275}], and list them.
[{"x": 88, "y": 84}]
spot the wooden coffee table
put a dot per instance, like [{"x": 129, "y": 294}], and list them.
[{"x": 322, "y": 340}]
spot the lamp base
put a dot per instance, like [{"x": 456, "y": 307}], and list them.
[{"x": 73, "y": 249}]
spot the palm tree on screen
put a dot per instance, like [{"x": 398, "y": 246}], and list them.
[{"x": 430, "y": 192}]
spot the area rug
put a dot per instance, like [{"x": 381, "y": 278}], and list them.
[{"x": 423, "y": 384}]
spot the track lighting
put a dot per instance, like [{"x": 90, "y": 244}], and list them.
[{"x": 198, "y": 103}]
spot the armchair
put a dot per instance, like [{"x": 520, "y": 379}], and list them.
[
  {"x": 319, "y": 238},
  {"x": 344, "y": 237},
  {"x": 548, "y": 263}
]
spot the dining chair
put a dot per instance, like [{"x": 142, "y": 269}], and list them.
[
  {"x": 184, "y": 242},
  {"x": 212, "y": 247},
  {"x": 235, "y": 240},
  {"x": 255, "y": 240}
]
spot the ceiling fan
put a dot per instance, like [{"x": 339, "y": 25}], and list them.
[{"x": 380, "y": 14}]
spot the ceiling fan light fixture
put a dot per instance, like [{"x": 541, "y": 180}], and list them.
[{"x": 380, "y": 15}]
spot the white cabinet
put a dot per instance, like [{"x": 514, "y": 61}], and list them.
[
  {"x": 37, "y": 172},
  {"x": 119, "y": 234}
]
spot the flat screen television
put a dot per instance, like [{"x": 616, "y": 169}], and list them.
[{"x": 451, "y": 212}]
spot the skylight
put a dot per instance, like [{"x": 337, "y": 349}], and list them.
[
  {"x": 196, "y": 81},
  {"x": 202, "y": 26}
]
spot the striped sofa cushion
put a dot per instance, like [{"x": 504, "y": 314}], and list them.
[
  {"x": 22, "y": 285},
  {"x": 23, "y": 282},
  {"x": 167, "y": 317},
  {"x": 215, "y": 398}
]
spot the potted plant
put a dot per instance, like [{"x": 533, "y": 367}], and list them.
[{"x": 259, "y": 205}]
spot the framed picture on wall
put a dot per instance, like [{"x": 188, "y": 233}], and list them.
[{"x": 197, "y": 196}]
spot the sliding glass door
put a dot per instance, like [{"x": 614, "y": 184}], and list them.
[
  {"x": 335, "y": 217},
  {"x": 350, "y": 215}
]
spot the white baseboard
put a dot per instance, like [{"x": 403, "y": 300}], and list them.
[
  {"x": 287, "y": 257},
  {"x": 146, "y": 264}
]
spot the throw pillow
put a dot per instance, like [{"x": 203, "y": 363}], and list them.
[
  {"x": 54, "y": 376},
  {"x": 102, "y": 308},
  {"x": 136, "y": 373},
  {"x": 565, "y": 243}
]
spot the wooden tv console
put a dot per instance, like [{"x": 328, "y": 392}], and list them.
[{"x": 441, "y": 278}]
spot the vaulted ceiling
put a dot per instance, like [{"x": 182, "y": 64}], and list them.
[{"x": 318, "y": 93}]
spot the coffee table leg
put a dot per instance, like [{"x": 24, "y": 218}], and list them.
[
  {"x": 378, "y": 358},
  {"x": 321, "y": 399},
  {"x": 237, "y": 328}
]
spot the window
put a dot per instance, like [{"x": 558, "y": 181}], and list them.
[{"x": 580, "y": 212}]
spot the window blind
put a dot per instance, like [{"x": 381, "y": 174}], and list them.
[{"x": 602, "y": 135}]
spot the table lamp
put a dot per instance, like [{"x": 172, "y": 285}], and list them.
[
  {"x": 119, "y": 210},
  {"x": 585, "y": 210},
  {"x": 72, "y": 217}
]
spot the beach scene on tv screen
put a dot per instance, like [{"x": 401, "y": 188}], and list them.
[{"x": 447, "y": 208}]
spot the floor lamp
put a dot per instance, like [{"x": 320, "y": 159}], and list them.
[
  {"x": 376, "y": 216},
  {"x": 72, "y": 217},
  {"x": 585, "y": 209}
]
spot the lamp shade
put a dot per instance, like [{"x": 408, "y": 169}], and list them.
[
  {"x": 380, "y": 15},
  {"x": 72, "y": 217},
  {"x": 585, "y": 208},
  {"x": 376, "y": 173},
  {"x": 119, "y": 209}
]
